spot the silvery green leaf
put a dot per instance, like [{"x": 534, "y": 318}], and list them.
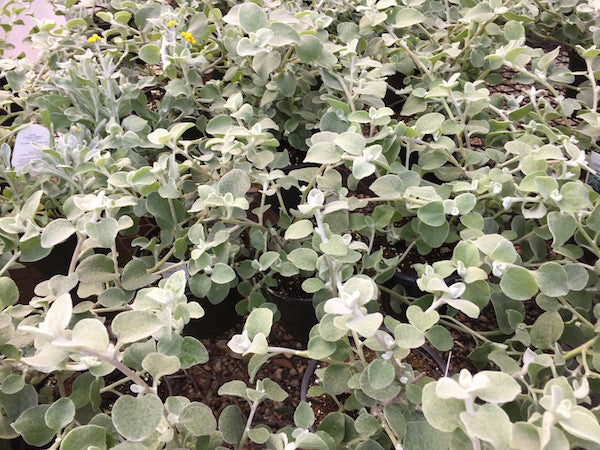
[
  {"x": 574, "y": 197},
  {"x": 60, "y": 413},
  {"x": 309, "y": 49},
  {"x": 407, "y": 17},
  {"x": 367, "y": 325},
  {"x": 490, "y": 424},
  {"x": 192, "y": 352},
  {"x": 159, "y": 137},
  {"x": 448, "y": 388},
  {"x": 465, "y": 306},
  {"x": 367, "y": 425},
  {"x": 176, "y": 283},
  {"x": 57, "y": 231},
  {"x": 198, "y": 419},
  {"x": 222, "y": 274},
  {"x": 273, "y": 390},
  {"x": 231, "y": 424},
  {"x": 6, "y": 328},
  {"x": 58, "y": 316},
  {"x": 310, "y": 440},
  {"x": 303, "y": 258},
  {"x": 132, "y": 326},
  {"x": 9, "y": 292},
  {"x": 581, "y": 423},
  {"x": 318, "y": 348},
  {"x": 219, "y": 125},
  {"x": 259, "y": 320},
  {"x": 158, "y": 365},
  {"x": 362, "y": 168},
  {"x": 240, "y": 343},
  {"x": 497, "y": 247},
  {"x": 518, "y": 283},
  {"x": 499, "y": 387},
  {"x": 104, "y": 231},
  {"x": 299, "y": 230},
  {"x": 323, "y": 153},
  {"x": 252, "y": 17},
  {"x": 31, "y": 426},
  {"x": 304, "y": 415},
  {"x": 365, "y": 286},
  {"x": 235, "y": 387},
  {"x": 259, "y": 345},
  {"x": 236, "y": 182},
  {"x": 442, "y": 414},
  {"x": 408, "y": 336},
  {"x": 283, "y": 34},
  {"x": 385, "y": 394},
  {"x": 335, "y": 379},
  {"x": 246, "y": 47},
  {"x": 432, "y": 214},
  {"x": 135, "y": 275},
  {"x": 30, "y": 207},
  {"x": 96, "y": 269},
  {"x": 150, "y": 54},
  {"x": 85, "y": 436},
  {"x": 429, "y": 123},
  {"x": 137, "y": 418},
  {"x": 335, "y": 246},
  {"x": 351, "y": 142},
  {"x": 260, "y": 434},
  {"x": 552, "y": 279},
  {"x": 420, "y": 319},
  {"x": 13, "y": 383},
  {"x": 577, "y": 277},
  {"x": 546, "y": 330},
  {"x": 381, "y": 373},
  {"x": 48, "y": 359},
  {"x": 90, "y": 333}
]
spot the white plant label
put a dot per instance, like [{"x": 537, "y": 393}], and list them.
[
  {"x": 27, "y": 145},
  {"x": 591, "y": 179}
]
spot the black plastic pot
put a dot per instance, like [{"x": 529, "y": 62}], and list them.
[
  {"x": 394, "y": 307},
  {"x": 307, "y": 379},
  {"x": 59, "y": 259},
  {"x": 297, "y": 313},
  {"x": 217, "y": 318},
  {"x": 291, "y": 197},
  {"x": 391, "y": 99},
  {"x": 425, "y": 350}
]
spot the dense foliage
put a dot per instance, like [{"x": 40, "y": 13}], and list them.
[{"x": 318, "y": 145}]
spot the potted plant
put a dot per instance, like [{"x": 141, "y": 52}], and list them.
[{"x": 189, "y": 117}]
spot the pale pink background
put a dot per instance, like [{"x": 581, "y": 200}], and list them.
[{"x": 41, "y": 10}]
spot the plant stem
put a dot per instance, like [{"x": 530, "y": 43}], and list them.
[
  {"x": 291, "y": 351},
  {"x": 253, "y": 409},
  {"x": 178, "y": 264},
  {"x": 159, "y": 264},
  {"x": 118, "y": 365},
  {"x": 358, "y": 344},
  {"x": 591, "y": 76},
  {"x": 114, "y": 254},
  {"x": 400, "y": 297},
  {"x": 80, "y": 239},
  {"x": 453, "y": 323},
  {"x": 582, "y": 348},
  {"x": 576, "y": 313},
  {"x": 10, "y": 262}
]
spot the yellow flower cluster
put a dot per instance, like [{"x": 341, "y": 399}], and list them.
[
  {"x": 188, "y": 37},
  {"x": 171, "y": 23},
  {"x": 94, "y": 38}
]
